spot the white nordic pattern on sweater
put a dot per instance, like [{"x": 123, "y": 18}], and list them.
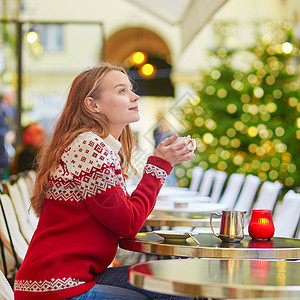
[
  {"x": 46, "y": 285},
  {"x": 157, "y": 172},
  {"x": 88, "y": 167}
]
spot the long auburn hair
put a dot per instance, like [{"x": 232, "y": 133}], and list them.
[{"x": 74, "y": 120}]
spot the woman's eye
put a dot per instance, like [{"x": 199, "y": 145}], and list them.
[{"x": 122, "y": 91}]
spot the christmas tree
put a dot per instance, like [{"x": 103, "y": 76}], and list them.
[{"x": 247, "y": 119}]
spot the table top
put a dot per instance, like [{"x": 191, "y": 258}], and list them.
[
  {"x": 167, "y": 190},
  {"x": 215, "y": 278},
  {"x": 171, "y": 221},
  {"x": 193, "y": 210},
  {"x": 211, "y": 246},
  {"x": 183, "y": 198}
]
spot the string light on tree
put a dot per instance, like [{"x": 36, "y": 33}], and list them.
[
  {"x": 255, "y": 112},
  {"x": 287, "y": 47}
]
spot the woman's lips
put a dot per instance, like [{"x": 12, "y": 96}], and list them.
[{"x": 136, "y": 108}]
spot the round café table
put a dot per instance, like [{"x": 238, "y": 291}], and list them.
[
  {"x": 217, "y": 278},
  {"x": 212, "y": 247}
]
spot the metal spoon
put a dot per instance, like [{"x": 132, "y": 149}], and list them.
[{"x": 194, "y": 239}]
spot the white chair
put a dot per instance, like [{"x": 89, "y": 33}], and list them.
[
  {"x": 287, "y": 215},
  {"x": 196, "y": 179},
  {"x": 6, "y": 292},
  {"x": 32, "y": 175},
  {"x": 170, "y": 194},
  {"x": 228, "y": 198},
  {"x": 29, "y": 183},
  {"x": 26, "y": 194},
  {"x": 19, "y": 243},
  {"x": 268, "y": 195},
  {"x": 232, "y": 190},
  {"x": 22, "y": 215},
  {"x": 24, "y": 190},
  {"x": 217, "y": 188},
  {"x": 298, "y": 232},
  {"x": 248, "y": 193},
  {"x": 207, "y": 181}
]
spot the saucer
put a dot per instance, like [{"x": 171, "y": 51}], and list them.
[{"x": 171, "y": 235}]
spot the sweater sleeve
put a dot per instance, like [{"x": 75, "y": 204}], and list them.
[{"x": 100, "y": 182}]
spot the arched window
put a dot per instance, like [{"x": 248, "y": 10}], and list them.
[{"x": 150, "y": 67}]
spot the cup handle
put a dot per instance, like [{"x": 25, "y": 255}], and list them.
[{"x": 211, "y": 218}]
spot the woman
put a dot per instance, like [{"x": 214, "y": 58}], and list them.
[{"x": 81, "y": 198}]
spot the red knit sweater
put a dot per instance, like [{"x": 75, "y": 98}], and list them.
[{"x": 86, "y": 211}]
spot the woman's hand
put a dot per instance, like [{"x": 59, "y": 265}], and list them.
[{"x": 175, "y": 153}]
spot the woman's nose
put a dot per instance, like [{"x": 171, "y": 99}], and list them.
[{"x": 135, "y": 97}]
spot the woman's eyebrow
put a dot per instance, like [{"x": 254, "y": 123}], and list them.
[{"x": 122, "y": 85}]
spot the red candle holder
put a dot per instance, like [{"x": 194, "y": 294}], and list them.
[{"x": 261, "y": 226}]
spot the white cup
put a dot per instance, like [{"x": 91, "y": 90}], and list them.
[{"x": 180, "y": 138}]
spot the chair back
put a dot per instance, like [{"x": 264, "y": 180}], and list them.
[
  {"x": 217, "y": 188},
  {"x": 297, "y": 236},
  {"x": 268, "y": 195},
  {"x": 29, "y": 183},
  {"x": 21, "y": 211},
  {"x": 19, "y": 243},
  {"x": 207, "y": 181},
  {"x": 32, "y": 175},
  {"x": 287, "y": 215},
  {"x": 196, "y": 178},
  {"x": 232, "y": 190},
  {"x": 6, "y": 292},
  {"x": 24, "y": 189},
  {"x": 248, "y": 193}
]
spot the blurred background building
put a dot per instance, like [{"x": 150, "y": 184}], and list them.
[{"x": 164, "y": 45}]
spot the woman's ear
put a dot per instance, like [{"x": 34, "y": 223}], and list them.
[{"x": 91, "y": 104}]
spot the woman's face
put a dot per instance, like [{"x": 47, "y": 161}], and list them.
[{"x": 118, "y": 102}]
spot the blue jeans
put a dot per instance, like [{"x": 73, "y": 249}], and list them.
[{"x": 112, "y": 284}]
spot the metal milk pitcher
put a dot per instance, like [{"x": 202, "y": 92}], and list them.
[{"x": 231, "y": 227}]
